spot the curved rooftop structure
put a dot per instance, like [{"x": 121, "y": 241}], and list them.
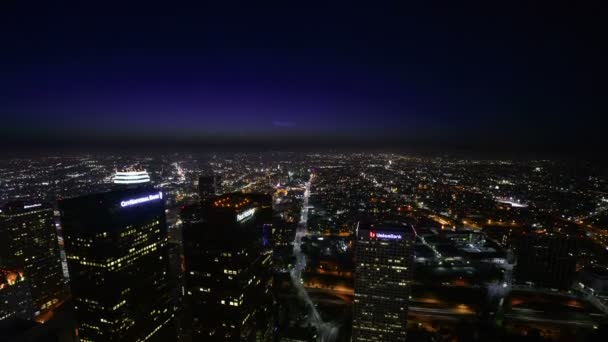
[{"x": 131, "y": 177}]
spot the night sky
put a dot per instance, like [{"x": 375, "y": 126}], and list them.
[{"x": 522, "y": 76}]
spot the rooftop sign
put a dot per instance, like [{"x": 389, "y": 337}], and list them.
[
  {"x": 384, "y": 236},
  {"x": 245, "y": 215},
  {"x": 135, "y": 201}
]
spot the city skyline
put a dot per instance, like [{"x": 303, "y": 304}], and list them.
[
  {"x": 500, "y": 249},
  {"x": 303, "y": 172}
]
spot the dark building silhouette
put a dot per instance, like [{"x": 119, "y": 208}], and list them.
[
  {"x": 177, "y": 276},
  {"x": 546, "y": 261},
  {"x": 283, "y": 234},
  {"x": 29, "y": 245},
  {"x": 116, "y": 247},
  {"x": 228, "y": 259},
  {"x": 595, "y": 279},
  {"x": 60, "y": 328},
  {"x": 208, "y": 186},
  {"x": 384, "y": 256}
]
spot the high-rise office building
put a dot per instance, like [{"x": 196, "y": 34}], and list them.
[
  {"x": 283, "y": 234},
  {"x": 208, "y": 186},
  {"x": 546, "y": 261},
  {"x": 383, "y": 274},
  {"x": 29, "y": 245},
  {"x": 116, "y": 247},
  {"x": 228, "y": 259},
  {"x": 15, "y": 298}
]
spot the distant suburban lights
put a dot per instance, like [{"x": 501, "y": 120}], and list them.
[
  {"x": 134, "y": 201},
  {"x": 245, "y": 215},
  {"x": 131, "y": 177},
  {"x": 389, "y": 236},
  {"x": 32, "y": 206}
]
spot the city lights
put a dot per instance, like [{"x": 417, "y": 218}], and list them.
[{"x": 242, "y": 171}]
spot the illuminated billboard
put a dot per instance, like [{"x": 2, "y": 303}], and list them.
[
  {"x": 384, "y": 236},
  {"x": 140, "y": 200},
  {"x": 247, "y": 214}
]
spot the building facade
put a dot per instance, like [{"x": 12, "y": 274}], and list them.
[
  {"x": 383, "y": 274},
  {"x": 228, "y": 260},
  {"x": 208, "y": 186},
  {"x": 15, "y": 297},
  {"x": 595, "y": 279},
  {"x": 29, "y": 245},
  {"x": 116, "y": 247},
  {"x": 546, "y": 261}
]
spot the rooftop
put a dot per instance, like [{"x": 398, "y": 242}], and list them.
[
  {"x": 131, "y": 176},
  {"x": 8, "y": 277},
  {"x": 231, "y": 201}
]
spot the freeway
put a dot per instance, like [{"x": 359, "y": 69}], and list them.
[{"x": 327, "y": 330}]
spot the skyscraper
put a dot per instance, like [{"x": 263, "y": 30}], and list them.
[
  {"x": 116, "y": 246},
  {"x": 546, "y": 261},
  {"x": 15, "y": 298},
  {"x": 228, "y": 258},
  {"x": 383, "y": 275},
  {"x": 29, "y": 245},
  {"x": 208, "y": 186}
]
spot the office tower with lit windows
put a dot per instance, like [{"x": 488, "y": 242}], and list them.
[
  {"x": 383, "y": 274},
  {"x": 116, "y": 247},
  {"x": 283, "y": 234},
  {"x": 546, "y": 261},
  {"x": 15, "y": 298},
  {"x": 228, "y": 259},
  {"x": 29, "y": 245}
]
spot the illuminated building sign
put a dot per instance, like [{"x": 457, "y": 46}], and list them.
[
  {"x": 134, "y": 201},
  {"x": 384, "y": 236},
  {"x": 245, "y": 215},
  {"x": 32, "y": 206}
]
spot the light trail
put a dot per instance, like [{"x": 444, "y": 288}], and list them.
[
  {"x": 327, "y": 331},
  {"x": 181, "y": 175},
  {"x": 513, "y": 203}
]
